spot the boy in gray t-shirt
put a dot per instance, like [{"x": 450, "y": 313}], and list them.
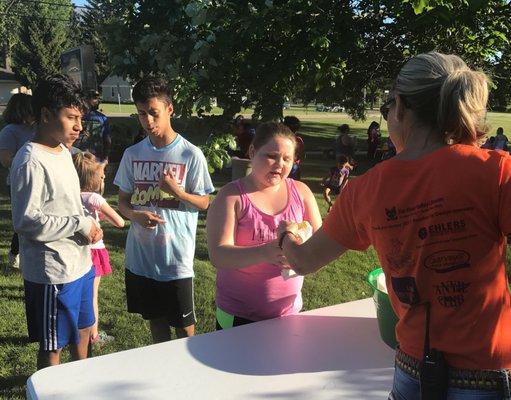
[{"x": 54, "y": 233}]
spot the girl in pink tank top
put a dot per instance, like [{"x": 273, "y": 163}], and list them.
[{"x": 242, "y": 232}]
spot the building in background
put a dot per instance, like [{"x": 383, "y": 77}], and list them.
[
  {"x": 8, "y": 83},
  {"x": 115, "y": 88}
]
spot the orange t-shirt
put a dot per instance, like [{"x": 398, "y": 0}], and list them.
[{"x": 439, "y": 226}]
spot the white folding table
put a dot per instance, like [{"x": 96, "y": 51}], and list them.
[{"x": 328, "y": 353}]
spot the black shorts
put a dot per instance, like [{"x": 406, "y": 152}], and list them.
[
  {"x": 334, "y": 189},
  {"x": 153, "y": 299}
]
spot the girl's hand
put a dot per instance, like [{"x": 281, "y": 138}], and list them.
[
  {"x": 287, "y": 226},
  {"x": 147, "y": 219},
  {"x": 275, "y": 255}
]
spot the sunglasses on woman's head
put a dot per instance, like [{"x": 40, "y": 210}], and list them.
[{"x": 384, "y": 109}]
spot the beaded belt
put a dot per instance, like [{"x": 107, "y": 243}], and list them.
[{"x": 491, "y": 380}]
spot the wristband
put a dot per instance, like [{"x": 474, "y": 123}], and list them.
[{"x": 284, "y": 234}]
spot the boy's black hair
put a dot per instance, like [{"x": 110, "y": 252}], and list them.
[
  {"x": 292, "y": 122},
  {"x": 55, "y": 92},
  {"x": 150, "y": 87},
  {"x": 343, "y": 128},
  {"x": 343, "y": 159}
]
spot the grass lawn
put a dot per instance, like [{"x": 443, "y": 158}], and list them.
[
  {"x": 317, "y": 119},
  {"x": 341, "y": 281}
]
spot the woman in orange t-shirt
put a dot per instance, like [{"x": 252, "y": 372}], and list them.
[{"x": 437, "y": 214}]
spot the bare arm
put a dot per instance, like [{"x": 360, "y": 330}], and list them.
[
  {"x": 310, "y": 256},
  {"x": 221, "y": 226},
  {"x": 312, "y": 213},
  {"x": 111, "y": 215},
  {"x": 200, "y": 202},
  {"x": 147, "y": 219},
  {"x": 6, "y": 157}
]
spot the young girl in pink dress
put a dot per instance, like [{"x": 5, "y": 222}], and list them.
[
  {"x": 241, "y": 228},
  {"x": 92, "y": 175}
]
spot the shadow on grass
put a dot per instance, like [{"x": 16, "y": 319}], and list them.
[
  {"x": 14, "y": 384},
  {"x": 14, "y": 341}
]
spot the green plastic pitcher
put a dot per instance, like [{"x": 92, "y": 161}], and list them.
[{"x": 387, "y": 318}]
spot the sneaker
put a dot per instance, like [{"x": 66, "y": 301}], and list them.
[
  {"x": 101, "y": 338},
  {"x": 14, "y": 260}
]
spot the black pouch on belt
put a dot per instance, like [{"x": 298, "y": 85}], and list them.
[
  {"x": 433, "y": 371},
  {"x": 433, "y": 376}
]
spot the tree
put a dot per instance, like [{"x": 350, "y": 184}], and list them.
[
  {"x": 93, "y": 25},
  {"x": 500, "y": 97},
  {"x": 43, "y": 35},
  {"x": 259, "y": 52},
  {"x": 10, "y": 20}
]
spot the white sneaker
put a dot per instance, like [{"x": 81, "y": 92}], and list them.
[{"x": 14, "y": 260}]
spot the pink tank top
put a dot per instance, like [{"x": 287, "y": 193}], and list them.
[{"x": 259, "y": 292}]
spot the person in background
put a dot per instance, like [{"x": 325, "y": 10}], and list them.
[
  {"x": 141, "y": 135},
  {"x": 244, "y": 133},
  {"x": 92, "y": 184},
  {"x": 241, "y": 228},
  {"x": 293, "y": 123},
  {"x": 373, "y": 139},
  {"x": 390, "y": 150},
  {"x": 19, "y": 117},
  {"x": 344, "y": 143},
  {"x": 501, "y": 140},
  {"x": 438, "y": 217},
  {"x": 489, "y": 143},
  {"x": 53, "y": 230},
  {"x": 336, "y": 179},
  {"x": 163, "y": 183},
  {"x": 95, "y": 137}
]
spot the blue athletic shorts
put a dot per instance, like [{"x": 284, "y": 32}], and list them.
[{"x": 55, "y": 313}]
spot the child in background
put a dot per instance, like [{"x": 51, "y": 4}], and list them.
[
  {"x": 337, "y": 179},
  {"x": 92, "y": 174}
]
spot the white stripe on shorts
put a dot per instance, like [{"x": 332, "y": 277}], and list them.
[
  {"x": 45, "y": 320},
  {"x": 50, "y": 318},
  {"x": 54, "y": 317}
]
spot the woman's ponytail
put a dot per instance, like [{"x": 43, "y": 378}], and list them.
[
  {"x": 445, "y": 94},
  {"x": 462, "y": 106}
]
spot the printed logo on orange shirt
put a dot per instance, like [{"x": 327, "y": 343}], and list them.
[
  {"x": 406, "y": 290},
  {"x": 442, "y": 228},
  {"x": 447, "y": 260}
]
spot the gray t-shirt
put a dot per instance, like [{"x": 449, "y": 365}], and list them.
[
  {"x": 47, "y": 214},
  {"x": 13, "y": 136}
]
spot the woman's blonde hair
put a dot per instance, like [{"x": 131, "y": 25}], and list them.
[
  {"x": 90, "y": 172},
  {"x": 444, "y": 93}
]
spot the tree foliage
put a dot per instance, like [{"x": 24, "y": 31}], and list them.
[
  {"x": 259, "y": 52},
  {"x": 93, "y": 25},
  {"x": 43, "y": 33}
]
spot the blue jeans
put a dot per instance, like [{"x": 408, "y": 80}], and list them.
[{"x": 407, "y": 388}]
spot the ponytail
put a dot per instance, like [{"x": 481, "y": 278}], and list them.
[
  {"x": 462, "y": 106},
  {"x": 445, "y": 94}
]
